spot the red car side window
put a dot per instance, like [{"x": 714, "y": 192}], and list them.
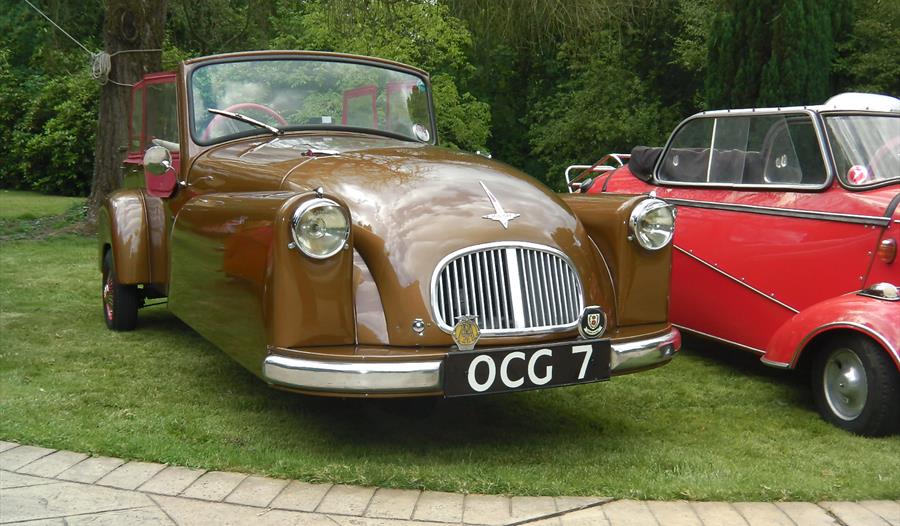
[{"x": 767, "y": 149}]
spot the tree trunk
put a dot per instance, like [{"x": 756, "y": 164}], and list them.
[{"x": 128, "y": 25}]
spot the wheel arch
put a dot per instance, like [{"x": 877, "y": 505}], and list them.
[
  {"x": 123, "y": 228},
  {"x": 849, "y": 313},
  {"x": 816, "y": 341}
]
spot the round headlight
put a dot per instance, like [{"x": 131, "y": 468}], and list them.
[
  {"x": 653, "y": 223},
  {"x": 320, "y": 228}
]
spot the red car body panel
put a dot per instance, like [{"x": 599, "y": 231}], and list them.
[
  {"x": 872, "y": 317},
  {"x": 769, "y": 270}
]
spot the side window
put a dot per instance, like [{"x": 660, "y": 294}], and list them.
[
  {"x": 792, "y": 154},
  {"x": 687, "y": 159},
  {"x": 162, "y": 113},
  {"x": 137, "y": 119},
  {"x": 779, "y": 149}
]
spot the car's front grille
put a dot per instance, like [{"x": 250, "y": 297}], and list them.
[{"x": 510, "y": 288}]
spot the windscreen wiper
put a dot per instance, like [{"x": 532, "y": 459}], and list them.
[{"x": 248, "y": 120}]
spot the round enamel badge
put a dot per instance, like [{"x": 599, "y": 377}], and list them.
[
  {"x": 858, "y": 174},
  {"x": 592, "y": 323}
]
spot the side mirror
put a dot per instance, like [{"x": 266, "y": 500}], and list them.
[{"x": 158, "y": 160}]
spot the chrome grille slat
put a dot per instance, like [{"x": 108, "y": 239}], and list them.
[{"x": 511, "y": 288}]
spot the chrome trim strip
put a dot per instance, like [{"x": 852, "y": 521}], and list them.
[
  {"x": 783, "y": 212},
  {"x": 640, "y": 354},
  {"x": 772, "y": 363},
  {"x": 498, "y": 268},
  {"x": 353, "y": 377},
  {"x": 518, "y": 306},
  {"x": 736, "y": 280},
  {"x": 723, "y": 340},
  {"x": 838, "y": 324},
  {"x": 874, "y": 297},
  {"x": 425, "y": 376}
]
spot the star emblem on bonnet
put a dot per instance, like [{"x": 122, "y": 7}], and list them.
[{"x": 500, "y": 215}]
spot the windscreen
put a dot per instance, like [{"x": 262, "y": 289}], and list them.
[
  {"x": 308, "y": 94},
  {"x": 866, "y": 148}
]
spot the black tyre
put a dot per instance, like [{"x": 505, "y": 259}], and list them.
[
  {"x": 856, "y": 386},
  {"x": 120, "y": 302}
]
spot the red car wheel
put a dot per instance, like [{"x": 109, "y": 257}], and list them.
[
  {"x": 856, "y": 386},
  {"x": 120, "y": 302}
]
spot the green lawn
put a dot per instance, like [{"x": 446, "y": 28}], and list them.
[
  {"x": 714, "y": 424},
  {"x": 29, "y": 205}
]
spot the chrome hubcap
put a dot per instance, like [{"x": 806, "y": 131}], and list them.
[
  {"x": 108, "y": 297},
  {"x": 845, "y": 382}
]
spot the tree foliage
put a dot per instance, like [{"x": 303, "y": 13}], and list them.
[
  {"x": 773, "y": 52},
  {"x": 421, "y": 34},
  {"x": 540, "y": 83},
  {"x": 868, "y": 58}
]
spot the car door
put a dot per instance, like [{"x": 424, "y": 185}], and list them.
[{"x": 764, "y": 229}]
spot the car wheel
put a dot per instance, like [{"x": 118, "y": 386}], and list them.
[
  {"x": 120, "y": 302},
  {"x": 856, "y": 386}
]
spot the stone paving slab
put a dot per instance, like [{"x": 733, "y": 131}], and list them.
[
  {"x": 675, "y": 513},
  {"x": 131, "y": 475},
  {"x": 584, "y": 517},
  {"x": 8, "y": 479},
  {"x": 171, "y": 481},
  {"x": 256, "y": 491},
  {"x": 190, "y": 512},
  {"x": 62, "y": 499},
  {"x": 763, "y": 514},
  {"x": 806, "y": 513},
  {"x": 43, "y": 522},
  {"x": 532, "y": 507},
  {"x": 214, "y": 485},
  {"x": 149, "y": 516},
  {"x": 90, "y": 470},
  {"x": 300, "y": 496},
  {"x": 53, "y": 464},
  {"x": 18, "y": 457},
  {"x": 718, "y": 513},
  {"x": 854, "y": 514},
  {"x": 487, "y": 509},
  {"x": 439, "y": 506},
  {"x": 629, "y": 512},
  {"x": 346, "y": 500},
  {"x": 886, "y": 509},
  {"x": 49, "y": 487},
  {"x": 7, "y": 445},
  {"x": 393, "y": 503}
]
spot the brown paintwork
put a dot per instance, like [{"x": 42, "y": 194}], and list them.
[{"x": 231, "y": 276}]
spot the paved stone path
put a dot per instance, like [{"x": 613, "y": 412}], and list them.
[{"x": 48, "y": 487}]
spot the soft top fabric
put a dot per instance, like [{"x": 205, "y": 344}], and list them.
[{"x": 642, "y": 161}]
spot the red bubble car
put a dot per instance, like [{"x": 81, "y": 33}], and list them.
[{"x": 786, "y": 243}]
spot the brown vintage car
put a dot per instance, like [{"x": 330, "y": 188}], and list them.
[{"x": 294, "y": 209}]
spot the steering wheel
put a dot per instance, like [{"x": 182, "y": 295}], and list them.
[{"x": 242, "y": 106}]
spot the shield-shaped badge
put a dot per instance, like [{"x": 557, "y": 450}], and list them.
[
  {"x": 466, "y": 333},
  {"x": 592, "y": 323}
]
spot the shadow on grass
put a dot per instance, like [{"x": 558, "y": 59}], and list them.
[
  {"x": 406, "y": 422},
  {"x": 513, "y": 419},
  {"x": 748, "y": 364}
]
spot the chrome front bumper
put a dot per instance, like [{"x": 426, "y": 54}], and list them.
[{"x": 425, "y": 376}]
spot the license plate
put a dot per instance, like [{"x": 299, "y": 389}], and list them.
[{"x": 468, "y": 373}]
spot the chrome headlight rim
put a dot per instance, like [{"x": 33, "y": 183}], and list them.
[
  {"x": 304, "y": 208},
  {"x": 639, "y": 212}
]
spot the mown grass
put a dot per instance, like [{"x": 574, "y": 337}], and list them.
[
  {"x": 28, "y": 215},
  {"x": 29, "y": 205},
  {"x": 714, "y": 424}
]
